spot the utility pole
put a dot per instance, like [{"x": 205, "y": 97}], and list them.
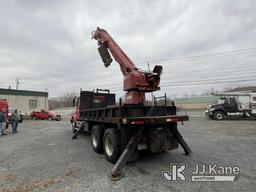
[
  {"x": 17, "y": 83},
  {"x": 45, "y": 100}
]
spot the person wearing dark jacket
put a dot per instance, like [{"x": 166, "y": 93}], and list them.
[
  {"x": 2, "y": 122},
  {"x": 14, "y": 121}
]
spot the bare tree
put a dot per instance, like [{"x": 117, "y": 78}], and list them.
[{"x": 65, "y": 100}]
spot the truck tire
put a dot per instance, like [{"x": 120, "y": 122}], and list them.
[
  {"x": 218, "y": 115},
  {"x": 111, "y": 145},
  {"x": 97, "y": 138}
]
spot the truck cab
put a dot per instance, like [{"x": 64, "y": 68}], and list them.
[
  {"x": 224, "y": 107},
  {"x": 239, "y": 105}
]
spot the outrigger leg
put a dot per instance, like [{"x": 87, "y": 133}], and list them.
[
  {"x": 116, "y": 172},
  {"x": 181, "y": 141},
  {"x": 78, "y": 130}
]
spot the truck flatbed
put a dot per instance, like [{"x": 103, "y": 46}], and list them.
[
  {"x": 122, "y": 115},
  {"x": 124, "y": 129}
]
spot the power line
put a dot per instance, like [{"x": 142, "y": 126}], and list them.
[
  {"x": 194, "y": 73},
  {"x": 189, "y": 82},
  {"x": 203, "y": 56},
  {"x": 207, "y": 83},
  {"x": 212, "y": 74},
  {"x": 219, "y": 70},
  {"x": 202, "y": 79},
  {"x": 225, "y": 53},
  {"x": 179, "y": 84}
]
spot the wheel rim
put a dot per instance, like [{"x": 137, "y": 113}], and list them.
[
  {"x": 94, "y": 139},
  {"x": 219, "y": 116},
  {"x": 108, "y": 145}
]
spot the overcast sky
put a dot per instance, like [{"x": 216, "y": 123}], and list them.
[{"x": 47, "y": 43}]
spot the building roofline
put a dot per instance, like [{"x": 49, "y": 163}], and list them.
[
  {"x": 23, "y": 92},
  {"x": 243, "y": 89}
]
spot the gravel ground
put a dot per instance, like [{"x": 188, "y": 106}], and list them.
[{"x": 42, "y": 157}]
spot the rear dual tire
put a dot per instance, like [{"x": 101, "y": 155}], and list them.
[
  {"x": 107, "y": 141},
  {"x": 97, "y": 138},
  {"x": 111, "y": 145}
]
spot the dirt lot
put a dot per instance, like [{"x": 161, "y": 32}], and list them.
[{"x": 42, "y": 157}]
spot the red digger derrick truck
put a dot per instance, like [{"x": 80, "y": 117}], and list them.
[{"x": 121, "y": 130}]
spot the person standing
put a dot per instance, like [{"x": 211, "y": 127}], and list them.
[
  {"x": 14, "y": 121},
  {"x": 2, "y": 122}
]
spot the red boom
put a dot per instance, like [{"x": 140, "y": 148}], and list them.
[{"x": 136, "y": 82}]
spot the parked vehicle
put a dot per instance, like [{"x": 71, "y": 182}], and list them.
[
  {"x": 45, "y": 115},
  {"x": 54, "y": 116},
  {"x": 4, "y": 106},
  {"x": 235, "y": 105}
]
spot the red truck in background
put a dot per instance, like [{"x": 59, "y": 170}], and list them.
[
  {"x": 4, "y": 107},
  {"x": 49, "y": 115}
]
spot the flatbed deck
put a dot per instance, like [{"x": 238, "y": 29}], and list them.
[
  {"x": 121, "y": 130},
  {"x": 132, "y": 114}
]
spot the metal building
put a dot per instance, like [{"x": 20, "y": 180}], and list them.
[{"x": 25, "y": 101}]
